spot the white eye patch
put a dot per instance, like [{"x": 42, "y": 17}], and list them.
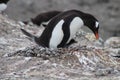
[{"x": 97, "y": 24}]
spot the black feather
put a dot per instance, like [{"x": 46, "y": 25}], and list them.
[
  {"x": 30, "y": 36},
  {"x": 4, "y": 1}
]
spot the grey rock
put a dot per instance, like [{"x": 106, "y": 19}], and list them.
[
  {"x": 113, "y": 42},
  {"x": 114, "y": 46}
]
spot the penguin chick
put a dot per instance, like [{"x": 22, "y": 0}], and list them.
[
  {"x": 62, "y": 28},
  {"x": 43, "y": 18}
]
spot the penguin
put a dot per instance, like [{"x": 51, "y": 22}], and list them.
[
  {"x": 61, "y": 29},
  {"x": 43, "y": 18},
  {"x": 3, "y": 5}
]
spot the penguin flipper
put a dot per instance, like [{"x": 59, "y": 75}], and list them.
[{"x": 30, "y": 36}]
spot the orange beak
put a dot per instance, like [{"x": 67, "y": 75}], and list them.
[{"x": 96, "y": 35}]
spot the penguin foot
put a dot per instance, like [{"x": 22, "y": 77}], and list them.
[{"x": 72, "y": 41}]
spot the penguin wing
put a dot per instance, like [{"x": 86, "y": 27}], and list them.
[{"x": 30, "y": 36}]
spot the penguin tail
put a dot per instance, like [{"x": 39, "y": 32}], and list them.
[{"x": 30, "y": 36}]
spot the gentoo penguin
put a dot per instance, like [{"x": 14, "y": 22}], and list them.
[
  {"x": 3, "y": 5},
  {"x": 43, "y": 18},
  {"x": 62, "y": 28}
]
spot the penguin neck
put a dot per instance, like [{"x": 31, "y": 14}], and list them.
[{"x": 87, "y": 18}]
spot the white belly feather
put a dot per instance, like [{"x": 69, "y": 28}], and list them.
[
  {"x": 57, "y": 35},
  {"x": 75, "y": 25}
]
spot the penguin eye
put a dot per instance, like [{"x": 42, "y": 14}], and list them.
[{"x": 97, "y": 24}]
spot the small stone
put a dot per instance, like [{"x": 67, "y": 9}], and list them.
[{"x": 113, "y": 42}]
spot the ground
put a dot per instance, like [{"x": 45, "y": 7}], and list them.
[{"x": 88, "y": 59}]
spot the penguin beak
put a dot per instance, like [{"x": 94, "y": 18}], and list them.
[{"x": 96, "y": 35}]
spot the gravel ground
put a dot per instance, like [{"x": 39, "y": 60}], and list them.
[{"x": 88, "y": 59}]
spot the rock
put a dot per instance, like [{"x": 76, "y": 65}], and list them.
[
  {"x": 114, "y": 46},
  {"x": 113, "y": 42}
]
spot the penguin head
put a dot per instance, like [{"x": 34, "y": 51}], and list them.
[{"x": 92, "y": 23}]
